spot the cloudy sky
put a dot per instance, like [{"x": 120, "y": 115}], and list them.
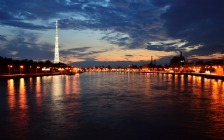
[{"x": 112, "y": 32}]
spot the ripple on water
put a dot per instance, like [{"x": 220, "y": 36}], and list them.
[{"x": 112, "y": 106}]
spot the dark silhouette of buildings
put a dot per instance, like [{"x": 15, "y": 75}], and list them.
[
  {"x": 177, "y": 61},
  {"x": 10, "y": 66}
]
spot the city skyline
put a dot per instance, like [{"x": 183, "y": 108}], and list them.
[{"x": 112, "y": 32}]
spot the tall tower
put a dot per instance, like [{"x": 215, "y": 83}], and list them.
[{"x": 56, "y": 53}]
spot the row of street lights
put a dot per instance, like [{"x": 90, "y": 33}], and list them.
[
  {"x": 21, "y": 68},
  {"x": 10, "y": 66},
  {"x": 12, "y": 69}
]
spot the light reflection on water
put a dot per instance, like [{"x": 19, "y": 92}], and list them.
[
  {"x": 112, "y": 106},
  {"x": 37, "y": 92},
  {"x": 11, "y": 93}
]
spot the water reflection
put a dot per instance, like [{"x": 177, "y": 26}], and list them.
[
  {"x": 22, "y": 94},
  {"x": 32, "y": 101},
  {"x": 11, "y": 94},
  {"x": 72, "y": 85},
  {"x": 18, "y": 118},
  {"x": 97, "y": 104},
  {"x": 216, "y": 109},
  {"x": 38, "y": 91},
  {"x": 207, "y": 102}
]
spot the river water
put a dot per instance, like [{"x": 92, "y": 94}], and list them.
[{"x": 112, "y": 106}]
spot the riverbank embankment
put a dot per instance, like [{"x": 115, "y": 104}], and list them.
[
  {"x": 203, "y": 75},
  {"x": 13, "y": 76}
]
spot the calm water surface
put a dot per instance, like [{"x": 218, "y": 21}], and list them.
[{"x": 111, "y": 106}]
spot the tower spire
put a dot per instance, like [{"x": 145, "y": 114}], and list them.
[{"x": 56, "y": 53}]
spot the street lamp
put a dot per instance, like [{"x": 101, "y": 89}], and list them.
[
  {"x": 21, "y": 68},
  {"x": 37, "y": 68},
  {"x": 10, "y": 66}
]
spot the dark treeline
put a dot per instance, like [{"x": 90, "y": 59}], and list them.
[{"x": 10, "y": 66}]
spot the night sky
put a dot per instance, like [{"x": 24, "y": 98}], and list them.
[{"x": 112, "y": 32}]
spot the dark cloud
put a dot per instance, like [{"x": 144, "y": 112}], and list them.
[
  {"x": 161, "y": 3},
  {"x": 84, "y": 53},
  {"x": 25, "y": 45},
  {"x": 21, "y": 12},
  {"x": 167, "y": 46},
  {"x": 198, "y": 22},
  {"x": 162, "y": 48},
  {"x": 30, "y": 10},
  {"x": 127, "y": 23},
  {"x": 138, "y": 19},
  {"x": 4, "y": 15},
  {"x": 118, "y": 39},
  {"x": 82, "y": 49},
  {"x": 79, "y": 51},
  {"x": 3, "y": 38},
  {"x": 24, "y": 25}
]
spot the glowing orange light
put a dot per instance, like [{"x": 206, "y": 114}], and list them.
[
  {"x": 11, "y": 93},
  {"x": 22, "y": 94}
]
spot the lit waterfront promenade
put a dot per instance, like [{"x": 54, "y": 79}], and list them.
[
  {"x": 12, "y": 76},
  {"x": 204, "y": 75},
  {"x": 216, "y": 73},
  {"x": 36, "y": 71}
]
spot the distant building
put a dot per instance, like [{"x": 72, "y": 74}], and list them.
[{"x": 177, "y": 61}]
